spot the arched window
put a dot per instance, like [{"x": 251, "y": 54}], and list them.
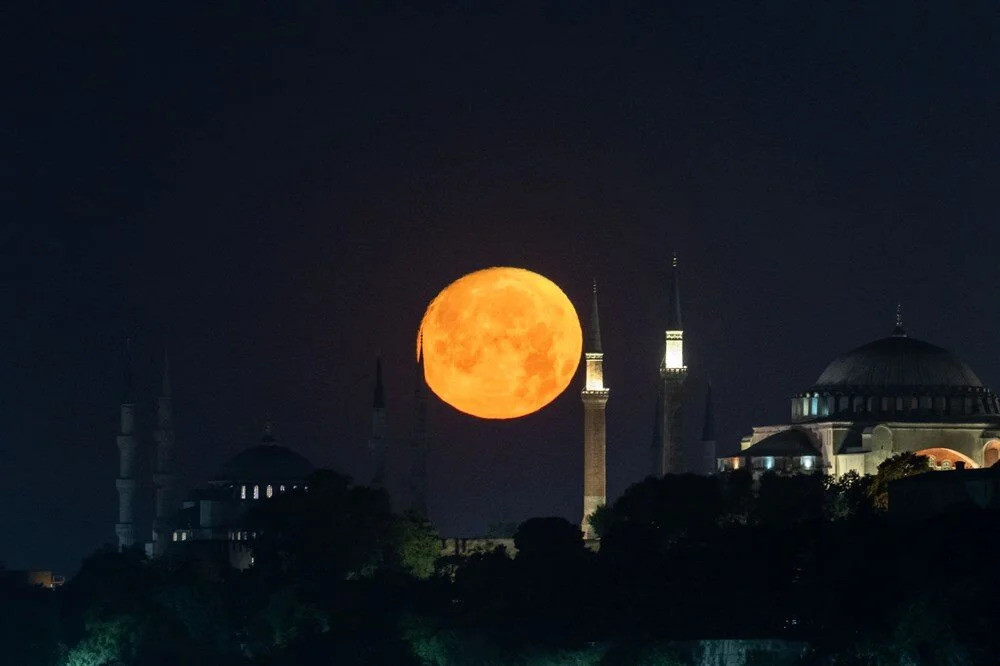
[
  {"x": 243, "y": 492},
  {"x": 270, "y": 490},
  {"x": 281, "y": 488},
  {"x": 256, "y": 492}
]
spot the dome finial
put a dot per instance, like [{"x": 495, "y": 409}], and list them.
[
  {"x": 268, "y": 436},
  {"x": 899, "y": 330}
]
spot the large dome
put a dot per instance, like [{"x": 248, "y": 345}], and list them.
[
  {"x": 897, "y": 378},
  {"x": 265, "y": 462},
  {"x": 897, "y": 362}
]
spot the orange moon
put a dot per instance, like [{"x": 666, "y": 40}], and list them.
[{"x": 500, "y": 343}]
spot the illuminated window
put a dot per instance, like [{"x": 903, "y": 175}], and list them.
[
  {"x": 184, "y": 536},
  {"x": 769, "y": 462},
  {"x": 243, "y": 492},
  {"x": 807, "y": 462},
  {"x": 175, "y": 535},
  {"x": 281, "y": 488},
  {"x": 270, "y": 491},
  {"x": 256, "y": 492}
]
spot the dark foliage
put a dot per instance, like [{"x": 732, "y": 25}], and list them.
[{"x": 342, "y": 579}]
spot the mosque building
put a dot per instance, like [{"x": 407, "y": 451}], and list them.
[
  {"x": 211, "y": 521},
  {"x": 892, "y": 395}
]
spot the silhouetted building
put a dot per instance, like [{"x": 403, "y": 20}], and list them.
[{"x": 211, "y": 522}]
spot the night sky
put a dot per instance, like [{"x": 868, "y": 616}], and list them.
[{"x": 277, "y": 190}]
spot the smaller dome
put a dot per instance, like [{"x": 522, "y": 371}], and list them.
[
  {"x": 265, "y": 462},
  {"x": 791, "y": 443}
]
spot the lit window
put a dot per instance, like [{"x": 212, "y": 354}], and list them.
[
  {"x": 769, "y": 462},
  {"x": 243, "y": 492},
  {"x": 175, "y": 536},
  {"x": 281, "y": 488},
  {"x": 270, "y": 491},
  {"x": 807, "y": 462},
  {"x": 184, "y": 536},
  {"x": 256, "y": 492}
]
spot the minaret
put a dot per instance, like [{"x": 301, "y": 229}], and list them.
[
  {"x": 418, "y": 443},
  {"x": 124, "y": 528},
  {"x": 163, "y": 474},
  {"x": 595, "y": 398},
  {"x": 377, "y": 442},
  {"x": 672, "y": 375},
  {"x": 709, "y": 464}
]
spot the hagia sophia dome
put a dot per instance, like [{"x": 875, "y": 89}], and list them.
[{"x": 897, "y": 377}]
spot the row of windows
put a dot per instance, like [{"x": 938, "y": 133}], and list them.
[
  {"x": 242, "y": 536},
  {"x": 181, "y": 535},
  {"x": 255, "y": 491},
  {"x": 806, "y": 463},
  {"x": 956, "y": 405}
]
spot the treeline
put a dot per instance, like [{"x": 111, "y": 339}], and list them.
[{"x": 339, "y": 578}]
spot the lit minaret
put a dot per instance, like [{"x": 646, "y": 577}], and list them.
[
  {"x": 669, "y": 458},
  {"x": 377, "y": 442},
  {"x": 124, "y": 528},
  {"x": 418, "y": 443},
  {"x": 163, "y": 474},
  {"x": 595, "y": 399},
  {"x": 709, "y": 463}
]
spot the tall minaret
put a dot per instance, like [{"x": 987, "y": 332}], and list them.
[
  {"x": 672, "y": 374},
  {"x": 377, "y": 442},
  {"x": 595, "y": 398},
  {"x": 163, "y": 474},
  {"x": 124, "y": 528},
  {"x": 709, "y": 463},
  {"x": 418, "y": 443}
]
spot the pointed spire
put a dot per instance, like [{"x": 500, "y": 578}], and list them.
[
  {"x": 708, "y": 428},
  {"x": 165, "y": 388},
  {"x": 268, "y": 436},
  {"x": 674, "y": 310},
  {"x": 899, "y": 331},
  {"x": 128, "y": 395},
  {"x": 593, "y": 343},
  {"x": 379, "y": 400}
]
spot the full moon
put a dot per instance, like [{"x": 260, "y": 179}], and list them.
[{"x": 500, "y": 343}]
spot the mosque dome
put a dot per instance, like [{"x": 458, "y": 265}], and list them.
[
  {"x": 897, "y": 378},
  {"x": 896, "y": 362},
  {"x": 265, "y": 462}
]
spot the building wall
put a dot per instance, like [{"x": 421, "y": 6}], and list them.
[{"x": 848, "y": 446}]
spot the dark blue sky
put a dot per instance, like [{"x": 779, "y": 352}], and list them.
[{"x": 281, "y": 189}]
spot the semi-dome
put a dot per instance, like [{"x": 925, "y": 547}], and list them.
[
  {"x": 896, "y": 362},
  {"x": 265, "y": 462},
  {"x": 897, "y": 378}
]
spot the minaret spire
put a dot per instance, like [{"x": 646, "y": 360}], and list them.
[
  {"x": 163, "y": 476},
  {"x": 899, "y": 331},
  {"x": 418, "y": 441},
  {"x": 669, "y": 459},
  {"x": 595, "y": 399},
  {"x": 377, "y": 442},
  {"x": 594, "y": 332},
  {"x": 126, "y": 483},
  {"x": 708, "y": 433}
]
